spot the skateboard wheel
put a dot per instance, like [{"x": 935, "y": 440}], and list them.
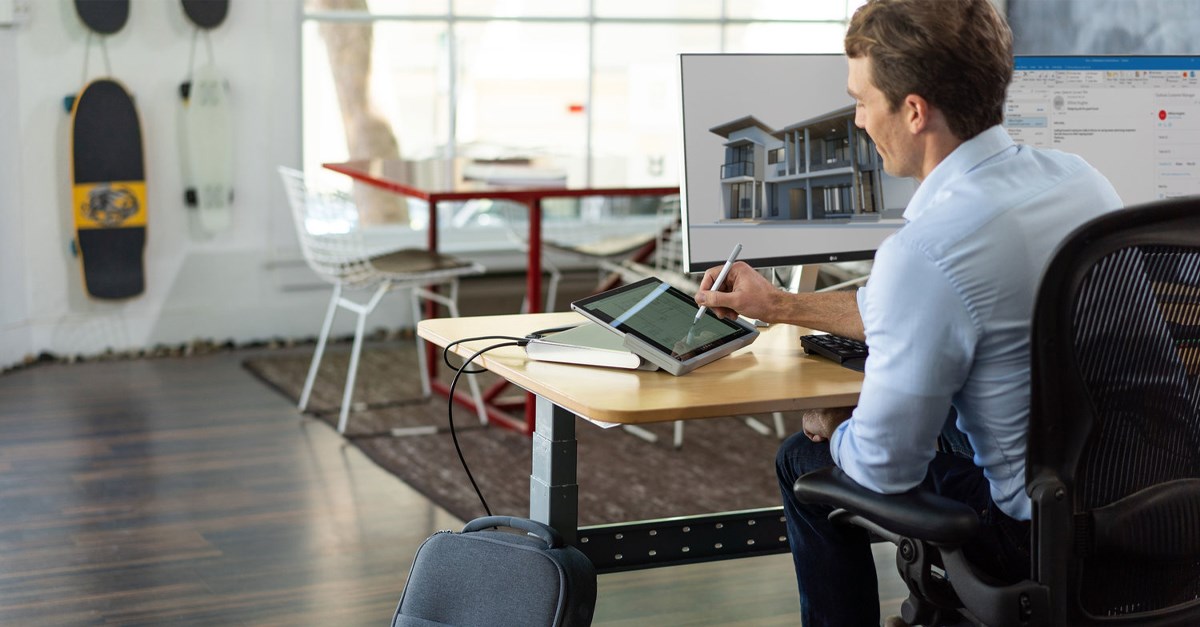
[
  {"x": 69, "y": 102},
  {"x": 189, "y": 196}
]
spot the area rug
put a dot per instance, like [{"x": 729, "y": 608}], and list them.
[{"x": 723, "y": 464}]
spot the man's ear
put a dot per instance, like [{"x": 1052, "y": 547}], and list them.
[{"x": 917, "y": 113}]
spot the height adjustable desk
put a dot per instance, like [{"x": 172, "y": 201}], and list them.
[{"x": 773, "y": 374}]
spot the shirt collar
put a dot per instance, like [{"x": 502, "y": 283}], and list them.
[{"x": 969, "y": 155}]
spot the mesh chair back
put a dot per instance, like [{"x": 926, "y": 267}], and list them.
[
  {"x": 1114, "y": 416},
  {"x": 328, "y": 230}
]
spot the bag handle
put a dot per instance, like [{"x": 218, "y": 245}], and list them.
[{"x": 541, "y": 530}]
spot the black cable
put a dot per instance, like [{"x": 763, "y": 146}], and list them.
[
  {"x": 450, "y": 414},
  {"x": 513, "y": 341},
  {"x": 521, "y": 341},
  {"x": 446, "y": 350}
]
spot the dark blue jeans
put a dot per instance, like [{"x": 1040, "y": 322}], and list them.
[{"x": 834, "y": 566}]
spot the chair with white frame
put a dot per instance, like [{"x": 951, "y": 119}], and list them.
[{"x": 327, "y": 226}]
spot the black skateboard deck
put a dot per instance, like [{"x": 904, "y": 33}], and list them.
[
  {"x": 108, "y": 190},
  {"x": 206, "y": 13},
  {"x": 103, "y": 16}
]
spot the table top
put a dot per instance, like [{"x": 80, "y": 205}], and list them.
[
  {"x": 772, "y": 374},
  {"x": 463, "y": 180}
]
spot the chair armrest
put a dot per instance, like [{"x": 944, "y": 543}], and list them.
[{"x": 917, "y": 513}]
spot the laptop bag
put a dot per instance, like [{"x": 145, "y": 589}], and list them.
[{"x": 485, "y": 577}]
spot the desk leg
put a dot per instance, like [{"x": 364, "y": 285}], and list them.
[
  {"x": 533, "y": 293},
  {"x": 533, "y": 276},
  {"x": 432, "y": 358},
  {"x": 553, "y": 491}
]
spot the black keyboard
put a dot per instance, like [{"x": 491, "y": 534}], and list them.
[{"x": 834, "y": 347}]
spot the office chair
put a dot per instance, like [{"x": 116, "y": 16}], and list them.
[
  {"x": 1113, "y": 465},
  {"x": 331, "y": 240}
]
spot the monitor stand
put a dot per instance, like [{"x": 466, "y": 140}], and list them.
[{"x": 804, "y": 278}]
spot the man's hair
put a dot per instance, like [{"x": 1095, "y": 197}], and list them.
[{"x": 956, "y": 54}]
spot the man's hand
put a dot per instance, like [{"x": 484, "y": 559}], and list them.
[
  {"x": 819, "y": 424},
  {"x": 744, "y": 292}
]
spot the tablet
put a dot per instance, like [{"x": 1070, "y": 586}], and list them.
[{"x": 655, "y": 322}]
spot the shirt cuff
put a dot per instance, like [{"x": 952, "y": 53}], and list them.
[{"x": 835, "y": 442}]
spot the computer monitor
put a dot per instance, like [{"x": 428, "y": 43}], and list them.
[
  {"x": 1134, "y": 118},
  {"x": 773, "y": 161}
]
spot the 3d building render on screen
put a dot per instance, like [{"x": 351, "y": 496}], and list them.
[
  {"x": 823, "y": 169},
  {"x": 772, "y": 161}
]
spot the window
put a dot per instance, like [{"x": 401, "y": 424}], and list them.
[
  {"x": 589, "y": 87},
  {"x": 742, "y": 200},
  {"x": 517, "y": 99}
]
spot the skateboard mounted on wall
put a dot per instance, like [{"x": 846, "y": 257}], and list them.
[
  {"x": 206, "y": 150},
  {"x": 205, "y": 130},
  {"x": 104, "y": 17},
  {"x": 206, "y": 13},
  {"x": 108, "y": 195},
  {"x": 108, "y": 178}
]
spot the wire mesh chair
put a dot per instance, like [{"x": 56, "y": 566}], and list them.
[
  {"x": 1113, "y": 466},
  {"x": 332, "y": 243}
]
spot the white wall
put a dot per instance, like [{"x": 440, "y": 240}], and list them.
[
  {"x": 242, "y": 285},
  {"x": 15, "y": 338}
]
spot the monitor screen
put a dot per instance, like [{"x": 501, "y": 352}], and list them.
[
  {"x": 772, "y": 159},
  {"x": 1135, "y": 118}
]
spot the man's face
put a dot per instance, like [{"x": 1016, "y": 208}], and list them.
[{"x": 873, "y": 114}]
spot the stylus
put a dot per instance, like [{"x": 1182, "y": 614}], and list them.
[{"x": 737, "y": 248}]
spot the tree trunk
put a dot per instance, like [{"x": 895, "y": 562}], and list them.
[{"x": 368, "y": 135}]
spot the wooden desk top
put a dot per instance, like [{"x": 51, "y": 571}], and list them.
[{"x": 772, "y": 374}]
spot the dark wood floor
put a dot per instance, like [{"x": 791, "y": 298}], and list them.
[{"x": 183, "y": 491}]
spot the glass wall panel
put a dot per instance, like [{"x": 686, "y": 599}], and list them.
[
  {"x": 323, "y": 137},
  {"x": 636, "y": 130},
  {"x": 521, "y": 8},
  {"x": 408, "y": 7},
  {"x": 381, "y": 7},
  {"x": 790, "y": 9},
  {"x": 407, "y": 89},
  {"x": 658, "y": 8},
  {"x": 785, "y": 37},
  {"x": 522, "y": 89}
]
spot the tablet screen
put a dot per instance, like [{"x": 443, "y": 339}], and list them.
[{"x": 662, "y": 316}]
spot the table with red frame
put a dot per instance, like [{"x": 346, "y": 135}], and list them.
[{"x": 431, "y": 182}]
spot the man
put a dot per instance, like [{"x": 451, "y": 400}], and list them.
[{"x": 947, "y": 310}]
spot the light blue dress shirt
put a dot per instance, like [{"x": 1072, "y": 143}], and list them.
[{"x": 947, "y": 313}]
